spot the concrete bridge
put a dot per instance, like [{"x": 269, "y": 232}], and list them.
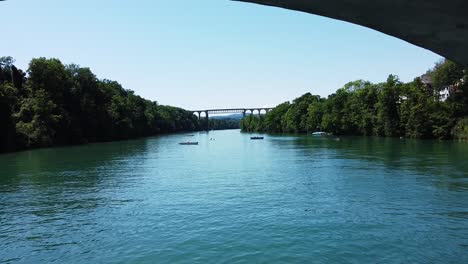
[
  {"x": 243, "y": 111},
  {"x": 437, "y": 25}
]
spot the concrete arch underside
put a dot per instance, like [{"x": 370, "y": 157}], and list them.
[{"x": 436, "y": 25}]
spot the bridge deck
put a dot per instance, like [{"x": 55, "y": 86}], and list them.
[{"x": 232, "y": 110}]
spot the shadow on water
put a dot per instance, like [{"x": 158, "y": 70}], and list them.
[
  {"x": 65, "y": 178},
  {"x": 42, "y": 165},
  {"x": 43, "y": 189},
  {"x": 446, "y": 160}
]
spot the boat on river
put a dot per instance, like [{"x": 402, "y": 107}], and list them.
[
  {"x": 256, "y": 138},
  {"x": 188, "y": 143},
  {"x": 319, "y": 134}
]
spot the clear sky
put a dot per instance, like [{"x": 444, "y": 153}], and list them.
[{"x": 201, "y": 54}]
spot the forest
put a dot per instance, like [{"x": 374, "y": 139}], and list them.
[
  {"x": 52, "y": 104},
  {"x": 222, "y": 124},
  {"x": 388, "y": 109}
]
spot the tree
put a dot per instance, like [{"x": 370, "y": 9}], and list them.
[
  {"x": 392, "y": 108},
  {"x": 446, "y": 73},
  {"x": 295, "y": 119},
  {"x": 387, "y": 123},
  {"x": 8, "y": 101},
  {"x": 460, "y": 131},
  {"x": 61, "y": 104},
  {"x": 5, "y": 69},
  {"x": 315, "y": 113},
  {"x": 336, "y": 116},
  {"x": 273, "y": 119},
  {"x": 38, "y": 120}
]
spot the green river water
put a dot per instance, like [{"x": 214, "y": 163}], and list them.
[{"x": 284, "y": 199}]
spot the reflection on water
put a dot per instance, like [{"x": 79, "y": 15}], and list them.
[
  {"x": 283, "y": 199},
  {"x": 447, "y": 160}
]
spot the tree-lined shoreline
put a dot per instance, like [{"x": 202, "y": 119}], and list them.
[
  {"x": 389, "y": 109},
  {"x": 52, "y": 104}
]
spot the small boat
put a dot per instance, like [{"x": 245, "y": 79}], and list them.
[
  {"x": 318, "y": 134},
  {"x": 188, "y": 143},
  {"x": 256, "y": 138}
]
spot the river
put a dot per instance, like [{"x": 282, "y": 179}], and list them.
[{"x": 284, "y": 199}]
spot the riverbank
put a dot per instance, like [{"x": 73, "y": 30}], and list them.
[
  {"x": 58, "y": 105},
  {"x": 388, "y": 109}
]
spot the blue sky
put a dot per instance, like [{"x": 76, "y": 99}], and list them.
[{"x": 206, "y": 53}]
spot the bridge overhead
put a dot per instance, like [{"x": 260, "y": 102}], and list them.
[{"x": 437, "y": 25}]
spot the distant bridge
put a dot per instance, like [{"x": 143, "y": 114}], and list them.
[{"x": 243, "y": 111}]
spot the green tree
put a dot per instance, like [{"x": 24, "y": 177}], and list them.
[
  {"x": 295, "y": 119},
  {"x": 315, "y": 113},
  {"x": 8, "y": 101},
  {"x": 388, "y": 119},
  {"x": 446, "y": 73},
  {"x": 460, "y": 131},
  {"x": 273, "y": 118},
  {"x": 38, "y": 120}
]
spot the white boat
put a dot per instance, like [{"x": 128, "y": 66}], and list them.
[{"x": 319, "y": 133}]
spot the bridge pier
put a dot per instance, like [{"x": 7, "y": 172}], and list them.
[
  {"x": 197, "y": 114},
  {"x": 207, "y": 121}
]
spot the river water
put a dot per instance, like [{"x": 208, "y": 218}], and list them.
[{"x": 285, "y": 199}]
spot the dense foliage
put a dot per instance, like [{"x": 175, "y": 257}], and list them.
[
  {"x": 55, "y": 104},
  {"x": 391, "y": 108},
  {"x": 220, "y": 124}
]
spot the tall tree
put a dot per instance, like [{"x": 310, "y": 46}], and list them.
[{"x": 387, "y": 123}]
